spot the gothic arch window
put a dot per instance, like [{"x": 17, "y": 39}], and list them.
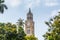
[
  {"x": 29, "y": 18},
  {"x": 28, "y": 31}
]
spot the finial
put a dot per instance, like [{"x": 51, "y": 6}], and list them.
[{"x": 29, "y": 10}]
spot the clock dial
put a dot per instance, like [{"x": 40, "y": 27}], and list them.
[{"x": 28, "y": 24}]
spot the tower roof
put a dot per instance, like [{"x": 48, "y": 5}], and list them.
[{"x": 29, "y": 13}]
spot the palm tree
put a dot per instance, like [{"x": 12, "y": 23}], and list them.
[
  {"x": 2, "y": 6},
  {"x": 54, "y": 28},
  {"x": 20, "y": 22}
]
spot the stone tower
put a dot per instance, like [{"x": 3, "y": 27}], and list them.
[{"x": 29, "y": 24}]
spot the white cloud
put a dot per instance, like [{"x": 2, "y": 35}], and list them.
[
  {"x": 51, "y": 3},
  {"x": 55, "y": 12},
  {"x": 14, "y": 3},
  {"x": 32, "y": 3},
  {"x": 26, "y": 3}
]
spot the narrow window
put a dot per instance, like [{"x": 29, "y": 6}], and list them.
[{"x": 28, "y": 31}]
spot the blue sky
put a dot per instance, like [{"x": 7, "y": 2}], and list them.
[{"x": 42, "y": 10}]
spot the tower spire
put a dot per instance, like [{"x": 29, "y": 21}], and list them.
[
  {"x": 29, "y": 10},
  {"x": 29, "y": 24},
  {"x": 29, "y": 15}
]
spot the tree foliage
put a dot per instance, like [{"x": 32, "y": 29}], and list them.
[
  {"x": 2, "y": 6},
  {"x": 54, "y": 29},
  {"x": 8, "y": 32},
  {"x": 20, "y": 23},
  {"x": 31, "y": 37}
]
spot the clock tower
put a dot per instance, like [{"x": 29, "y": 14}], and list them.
[{"x": 29, "y": 24}]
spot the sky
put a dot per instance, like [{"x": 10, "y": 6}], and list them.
[{"x": 42, "y": 11}]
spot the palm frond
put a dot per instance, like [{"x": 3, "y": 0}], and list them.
[
  {"x": 4, "y": 6},
  {"x": 1, "y": 9},
  {"x": 1, "y": 1}
]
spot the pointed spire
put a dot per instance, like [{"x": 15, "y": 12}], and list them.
[
  {"x": 29, "y": 10},
  {"x": 29, "y": 13}
]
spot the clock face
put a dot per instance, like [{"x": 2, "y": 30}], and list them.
[{"x": 28, "y": 24}]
